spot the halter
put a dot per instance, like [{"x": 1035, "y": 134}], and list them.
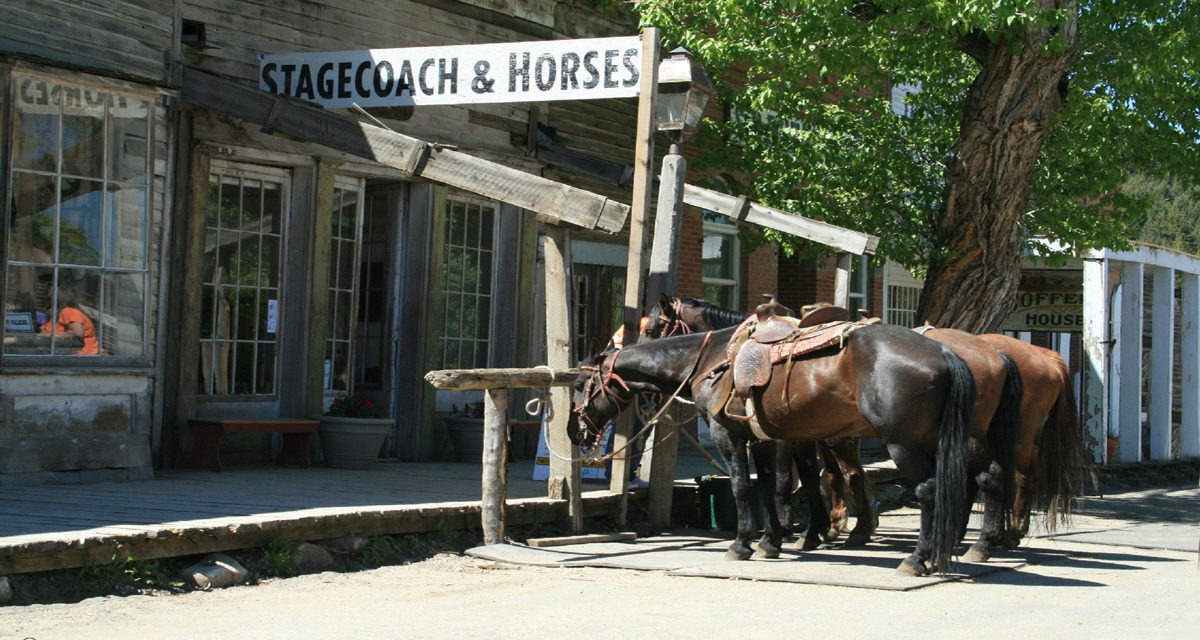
[
  {"x": 590, "y": 393},
  {"x": 675, "y": 326},
  {"x": 596, "y": 385}
]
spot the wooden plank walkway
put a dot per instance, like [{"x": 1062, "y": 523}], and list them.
[{"x": 193, "y": 511}]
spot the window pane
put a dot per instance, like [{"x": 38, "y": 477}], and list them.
[
  {"x": 130, "y": 152},
  {"x": 717, "y": 256},
  {"x": 127, "y": 244},
  {"x": 81, "y": 221},
  {"x": 31, "y": 234},
  {"x": 36, "y": 125},
  {"x": 83, "y": 132}
]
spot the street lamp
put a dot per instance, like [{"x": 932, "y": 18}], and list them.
[{"x": 684, "y": 91}]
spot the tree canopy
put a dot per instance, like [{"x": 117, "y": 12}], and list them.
[{"x": 956, "y": 130}]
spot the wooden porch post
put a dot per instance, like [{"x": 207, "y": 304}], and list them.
[
  {"x": 1162, "y": 361},
  {"x": 565, "y": 476},
  {"x": 643, "y": 180},
  {"x": 1129, "y": 379},
  {"x": 1095, "y": 350},
  {"x": 1189, "y": 358}
]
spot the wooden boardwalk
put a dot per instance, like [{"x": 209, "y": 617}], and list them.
[{"x": 185, "y": 512}]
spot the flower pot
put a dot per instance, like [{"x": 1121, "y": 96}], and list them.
[
  {"x": 1113, "y": 445},
  {"x": 466, "y": 434},
  {"x": 352, "y": 443}
]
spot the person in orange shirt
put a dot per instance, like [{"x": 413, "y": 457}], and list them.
[{"x": 74, "y": 322}]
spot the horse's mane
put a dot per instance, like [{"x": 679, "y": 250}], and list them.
[{"x": 715, "y": 316}]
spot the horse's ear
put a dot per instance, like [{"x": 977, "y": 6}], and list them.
[{"x": 666, "y": 304}]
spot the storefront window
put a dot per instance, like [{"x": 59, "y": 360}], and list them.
[
  {"x": 78, "y": 219},
  {"x": 240, "y": 303},
  {"x": 343, "y": 267},
  {"x": 720, "y": 260},
  {"x": 467, "y": 282}
]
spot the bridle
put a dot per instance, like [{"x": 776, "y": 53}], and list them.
[
  {"x": 597, "y": 384},
  {"x": 674, "y": 326}
]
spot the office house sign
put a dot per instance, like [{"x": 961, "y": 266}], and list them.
[{"x": 466, "y": 74}]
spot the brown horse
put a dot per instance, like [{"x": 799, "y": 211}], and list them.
[
  {"x": 1051, "y": 461},
  {"x": 676, "y": 316},
  {"x": 913, "y": 393},
  {"x": 996, "y": 418}
]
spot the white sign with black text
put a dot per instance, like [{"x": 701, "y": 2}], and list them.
[{"x": 540, "y": 71}]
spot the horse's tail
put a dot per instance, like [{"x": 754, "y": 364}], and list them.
[
  {"x": 1002, "y": 433},
  {"x": 952, "y": 501},
  {"x": 1063, "y": 463}
]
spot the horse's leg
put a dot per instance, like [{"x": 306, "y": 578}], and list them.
[
  {"x": 773, "y": 461},
  {"x": 991, "y": 529},
  {"x": 1022, "y": 504},
  {"x": 919, "y": 471},
  {"x": 736, "y": 460},
  {"x": 804, "y": 454},
  {"x": 833, "y": 478},
  {"x": 847, "y": 454}
]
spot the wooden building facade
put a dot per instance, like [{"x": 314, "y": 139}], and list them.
[{"x": 224, "y": 260}]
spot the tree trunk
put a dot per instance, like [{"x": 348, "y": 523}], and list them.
[{"x": 975, "y": 266}]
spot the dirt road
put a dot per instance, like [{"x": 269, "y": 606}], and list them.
[{"x": 1088, "y": 591}]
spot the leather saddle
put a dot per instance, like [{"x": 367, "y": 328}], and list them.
[{"x": 772, "y": 335}]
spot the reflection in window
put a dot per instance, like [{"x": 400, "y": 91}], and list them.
[
  {"x": 240, "y": 302},
  {"x": 467, "y": 283},
  {"x": 77, "y": 269}
]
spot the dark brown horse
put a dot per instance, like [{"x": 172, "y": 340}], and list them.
[
  {"x": 913, "y": 393},
  {"x": 996, "y": 417}
]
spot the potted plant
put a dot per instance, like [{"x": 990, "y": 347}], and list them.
[
  {"x": 466, "y": 431},
  {"x": 352, "y": 432}
]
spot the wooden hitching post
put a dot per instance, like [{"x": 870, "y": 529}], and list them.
[{"x": 495, "y": 464}]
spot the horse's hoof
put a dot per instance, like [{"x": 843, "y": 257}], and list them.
[
  {"x": 765, "y": 554},
  {"x": 912, "y": 567},
  {"x": 737, "y": 554},
  {"x": 831, "y": 535},
  {"x": 977, "y": 553},
  {"x": 811, "y": 543},
  {"x": 858, "y": 539}
]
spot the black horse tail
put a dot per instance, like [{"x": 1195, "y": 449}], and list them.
[
  {"x": 1002, "y": 434},
  {"x": 1063, "y": 463},
  {"x": 952, "y": 499}
]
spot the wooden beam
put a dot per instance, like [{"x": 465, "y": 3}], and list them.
[
  {"x": 464, "y": 379},
  {"x": 796, "y": 225},
  {"x": 284, "y": 115}
]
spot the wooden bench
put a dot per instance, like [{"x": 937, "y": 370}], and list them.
[{"x": 207, "y": 433}]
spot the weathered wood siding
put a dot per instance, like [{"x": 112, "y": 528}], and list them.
[
  {"x": 238, "y": 30},
  {"x": 134, "y": 39}
]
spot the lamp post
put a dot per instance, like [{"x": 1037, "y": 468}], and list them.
[{"x": 684, "y": 91}]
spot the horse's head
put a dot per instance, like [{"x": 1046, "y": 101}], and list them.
[
  {"x": 666, "y": 319},
  {"x": 599, "y": 395}
]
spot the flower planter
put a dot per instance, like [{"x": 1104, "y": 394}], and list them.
[
  {"x": 466, "y": 434},
  {"x": 352, "y": 443}
]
